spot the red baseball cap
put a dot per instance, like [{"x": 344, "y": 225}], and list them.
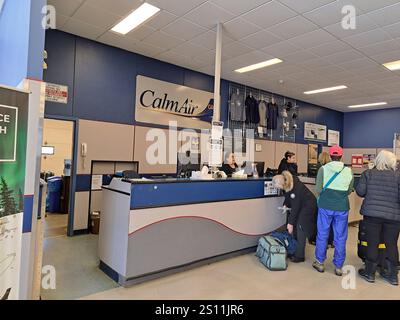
[{"x": 336, "y": 151}]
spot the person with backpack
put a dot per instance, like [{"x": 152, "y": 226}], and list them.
[
  {"x": 380, "y": 188},
  {"x": 334, "y": 185},
  {"x": 302, "y": 219}
]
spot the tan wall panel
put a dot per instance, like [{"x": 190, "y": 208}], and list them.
[
  {"x": 81, "y": 210},
  {"x": 57, "y": 134},
  {"x": 302, "y": 158},
  {"x": 103, "y": 168},
  {"x": 106, "y": 141},
  {"x": 281, "y": 148},
  {"x": 267, "y": 154},
  {"x": 166, "y": 163}
]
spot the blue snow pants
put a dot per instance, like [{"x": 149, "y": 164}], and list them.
[{"x": 339, "y": 221}]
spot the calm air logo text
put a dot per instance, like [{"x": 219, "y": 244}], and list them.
[{"x": 148, "y": 99}]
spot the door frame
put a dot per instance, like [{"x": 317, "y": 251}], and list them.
[{"x": 71, "y": 205}]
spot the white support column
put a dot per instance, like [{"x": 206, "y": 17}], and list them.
[{"x": 217, "y": 84}]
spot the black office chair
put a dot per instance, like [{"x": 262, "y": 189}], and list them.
[{"x": 130, "y": 174}]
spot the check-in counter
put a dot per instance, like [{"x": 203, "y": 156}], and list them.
[
  {"x": 152, "y": 228},
  {"x": 355, "y": 200}
]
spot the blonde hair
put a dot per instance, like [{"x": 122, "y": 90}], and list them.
[
  {"x": 385, "y": 160},
  {"x": 285, "y": 180},
  {"x": 324, "y": 158}
]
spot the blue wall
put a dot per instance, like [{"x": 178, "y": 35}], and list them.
[
  {"x": 21, "y": 41},
  {"x": 371, "y": 129},
  {"x": 102, "y": 82}
]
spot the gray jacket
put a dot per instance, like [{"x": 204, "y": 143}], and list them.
[{"x": 381, "y": 193}]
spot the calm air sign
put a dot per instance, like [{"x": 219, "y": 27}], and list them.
[{"x": 159, "y": 102}]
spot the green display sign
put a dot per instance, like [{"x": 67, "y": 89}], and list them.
[{"x": 8, "y": 133}]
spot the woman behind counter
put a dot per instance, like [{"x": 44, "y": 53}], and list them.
[
  {"x": 230, "y": 166},
  {"x": 380, "y": 188},
  {"x": 302, "y": 220}
]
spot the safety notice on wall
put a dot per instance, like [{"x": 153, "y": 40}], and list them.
[
  {"x": 8, "y": 133},
  {"x": 56, "y": 93}
]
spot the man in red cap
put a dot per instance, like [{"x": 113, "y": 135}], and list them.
[{"x": 334, "y": 184}]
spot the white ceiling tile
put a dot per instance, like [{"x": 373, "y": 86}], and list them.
[
  {"x": 162, "y": 19},
  {"x": 162, "y": 40},
  {"x": 344, "y": 56},
  {"x": 61, "y": 20},
  {"x": 281, "y": 49},
  {"x": 299, "y": 56},
  {"x": 305, "y": 6},
  {"x": 387, "y": 15},
  {"x": 146, "y": 49},
  {"x": 269, "y": 14},
  {"x": 387, "y": 57},
  {"x": 328, "y": 14},
  {"x": 184, "y": 29},
  {"x": 85, "y": 30},
  {"x": 66, "y": 8},
  {"x": 140, "y": 33},
  {"x": 239, "y": 7},
  {"x": 367, "y": 38},
  {"x": 235, "y": 49},
  {"x": 293, "y": 27},
  {"x": 381, "y": 47},
  {"x": 363, "y": 24},
  {"x": 393, "y": 30},
  {"x": 330, "y": 48},
  {"x": 354, "y": 65},
  {"x": 206, "y": 58},
  {"x": 208, "y": 15},
  {"x": 314, "y": 64},
  {"x": 209, "y": 38},
  {"x": 368, "y": 6},
  {"x": 119, "y": 7},
  {"x": 190, "y": 50},
  {"x": 116, "y": 40},
  {"x": 260, "y": 40},
  {"x": 312, "y": 39},
  {"x": 239, "y": 28},
  {"x": 96, "y": 16},
  {"x": 177, "y": 7}
]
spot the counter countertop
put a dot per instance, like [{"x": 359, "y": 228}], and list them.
[{"x": 180, "y": 180}]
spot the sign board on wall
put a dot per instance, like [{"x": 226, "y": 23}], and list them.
[
  {"x": 333, "y": 138},
  {"x": 13, "y": 144},
  {"x": 357, "y": 160},
  {"x": 56, "y": 93},
  {"x": 160, "y": 102},
  {"x": 313, "y": 131}
]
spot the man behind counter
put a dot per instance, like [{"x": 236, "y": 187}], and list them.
[
  {"x": 230, "y": 166},
  {"x": 288, "y": 163}
]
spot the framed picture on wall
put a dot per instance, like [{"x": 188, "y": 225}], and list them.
[
  {"x": 313, "y": 131},
  {"x": 333, "y": 138}
]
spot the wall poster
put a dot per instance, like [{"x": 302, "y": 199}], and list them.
[
  {"x": 313, "y": 131},
  {"x": 13, "y": 143},
  {"x": 333, "y": 138}
]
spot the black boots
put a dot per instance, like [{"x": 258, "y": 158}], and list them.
[
  {"x": 390, "y": 273},
  {"x": 368, "y": 272}
]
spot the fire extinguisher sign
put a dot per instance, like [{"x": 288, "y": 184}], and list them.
[{"x": 8, "y": 133}]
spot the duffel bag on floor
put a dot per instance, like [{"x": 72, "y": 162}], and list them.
[
  {"x": 287, "y": 240},
  {"x": 272, "y": 253}
]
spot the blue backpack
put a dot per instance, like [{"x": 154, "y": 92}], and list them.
[{"x": 287, "y": 240}]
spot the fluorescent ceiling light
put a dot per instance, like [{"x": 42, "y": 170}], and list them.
[
  {"x": 369, "y": 105},
  {"x": 326, "y": 90},
  {"x": 394, "y": 65},
  {"x": 136, "y": 18},
  {"x": 259, "y": 65}
]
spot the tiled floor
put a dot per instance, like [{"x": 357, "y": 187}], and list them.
[
  {"x": 55, "y": 225},
  {"x": 238, "y": 278}
]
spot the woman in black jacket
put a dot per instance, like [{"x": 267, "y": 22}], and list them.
[
  {"x": 302, "y": 220},
  {"x": 288, "y": 163},
  {"x": 380, "y": 188}
]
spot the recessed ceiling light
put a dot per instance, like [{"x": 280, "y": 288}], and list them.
[
  {"x": 394, "y": 65},
  {"x": 368, "y": 105},
  {"x": 326, "y": 90},
  {"x": 259, "y": 65},
  {"x": 136, "y": 18}
]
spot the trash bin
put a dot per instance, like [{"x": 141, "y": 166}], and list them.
[
  {"x": 95, "y": 222},
  {"x": 53, "y": 198}
]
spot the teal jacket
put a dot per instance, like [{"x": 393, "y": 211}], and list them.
[{"x": 336, "y": 196}]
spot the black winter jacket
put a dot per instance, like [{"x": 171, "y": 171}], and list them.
[
  {"x": 286, "y": 166},
  {"x": 304, "y": 207},
  {"x": 381, "y": 193}
]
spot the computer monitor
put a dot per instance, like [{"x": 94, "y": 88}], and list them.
[
  {"x": 187, "y": 163},
  {"x": 248, "y": 168},
  {"x": 260, "y": 168}
]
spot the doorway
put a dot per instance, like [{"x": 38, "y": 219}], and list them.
[{"x": 56, "y": 170}]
